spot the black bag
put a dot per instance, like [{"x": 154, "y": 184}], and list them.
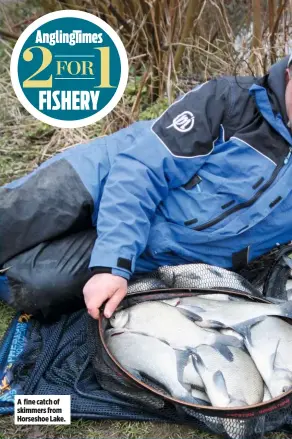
[{"x": 270, "y": 273}]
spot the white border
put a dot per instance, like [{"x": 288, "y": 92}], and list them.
[{"x": 57, "y": 122}]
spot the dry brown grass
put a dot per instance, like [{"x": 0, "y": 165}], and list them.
[{"x": 171, "y": 45}]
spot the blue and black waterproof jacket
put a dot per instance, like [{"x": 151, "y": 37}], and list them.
[{"x": 210, "y": 180}]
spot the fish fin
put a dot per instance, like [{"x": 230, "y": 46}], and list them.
[
  {"x": 145, "y": 376},
  {"x": 177, "y": 347},
  {"x": 135, "y": 373},
  {"x": 220, "y": 384},
  {"x": 189, "y": 314},
  {"x": 195, "y": 308},
  {"x": 245, "y": 327},
  {"x": 171, "y": 302},
  {"x": 237, "y": 402},
  {"x": 191, "y": 400},
  {"x": 288, "y": 261},
  {"x": 229, "y": 340},
  {"x": 182, "y": 358},
  {"x": 284, "y": 367},
  {"x": 286, "y": 309},
  {"x": 274, "y": 356},
  {"x": 237, "y": 299},
  {"x": 199, "y": 401},
  {"x": 285, "y": 370},
  {"x": 224, "y": 351},
  {"x": 198, "y": 362}
]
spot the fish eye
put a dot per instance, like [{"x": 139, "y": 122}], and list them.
[{"x": 286, "y": 389}]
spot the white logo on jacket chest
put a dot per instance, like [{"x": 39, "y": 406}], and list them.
[{"x": 184, "y": 122}]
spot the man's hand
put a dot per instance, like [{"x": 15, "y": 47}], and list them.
[{"x": 104, "y": 287}]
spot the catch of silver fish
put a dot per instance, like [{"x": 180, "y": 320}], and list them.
[
  {"x": 167, "y": 323},
  {"x": 219, "y": 314},
  {"x": 207, "y": 349},
  {"x": 148, "y": 356}
]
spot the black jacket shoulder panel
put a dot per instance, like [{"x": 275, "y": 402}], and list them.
[
  {"x": 189, "y": 127},
  {"x": 240, "y": 108},
  {"x": 276, "y": 87}
]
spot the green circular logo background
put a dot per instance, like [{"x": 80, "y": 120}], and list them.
[{"x": 69, "y": 68}]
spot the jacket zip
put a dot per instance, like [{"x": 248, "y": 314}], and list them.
[{"x": 249, "y": 202}]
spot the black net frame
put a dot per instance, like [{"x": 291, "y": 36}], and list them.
[{"x": 243, "y": 423}]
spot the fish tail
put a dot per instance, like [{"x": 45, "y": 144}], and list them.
[
  {"x": 190, "y": 312},
  {"x": 198, "y": 363},
  {"x": 182, "y": 358},
  {"x": 245, "y": 327}
]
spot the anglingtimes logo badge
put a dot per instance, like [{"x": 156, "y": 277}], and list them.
[{"x": 69, "y": 69}]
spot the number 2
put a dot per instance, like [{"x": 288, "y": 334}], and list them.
[{"x": 47, "y": 59}]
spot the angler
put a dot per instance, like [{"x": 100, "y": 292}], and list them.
[{"x": 209, "y": 181}]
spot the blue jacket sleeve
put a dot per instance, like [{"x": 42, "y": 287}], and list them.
[{"x": 165, "y": 155}]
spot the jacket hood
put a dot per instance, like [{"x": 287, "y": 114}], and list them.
[{"x": 276, "y": 83}]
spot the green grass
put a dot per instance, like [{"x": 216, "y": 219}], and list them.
[
  {"x": 6, "y": 314},
  {"x": 99, "y": 430}
]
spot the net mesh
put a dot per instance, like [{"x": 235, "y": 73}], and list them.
[
  {"x": 56, "y": 362},
  {"x": 68, "y": 357}
]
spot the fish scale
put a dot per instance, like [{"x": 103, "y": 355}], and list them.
[
  {"x": 204, "y": 276},
  {"x": 225, "y": 381},
  {"x": 270, "y": 346}
]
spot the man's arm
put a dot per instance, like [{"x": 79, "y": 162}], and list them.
[{"x": 164, "y": 156}]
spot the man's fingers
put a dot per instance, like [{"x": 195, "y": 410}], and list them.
[
  {"x": 94, "y": 302},
  {"x": 99, "y": 289},
  {"x": 94, "y": 313},
  {"x": 113, "y": 303}
]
